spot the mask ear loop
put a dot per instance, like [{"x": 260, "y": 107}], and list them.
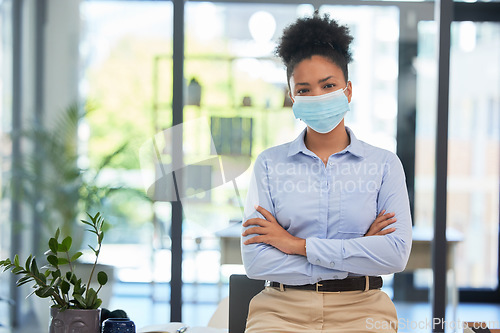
[{"x": 347, "y": 86}]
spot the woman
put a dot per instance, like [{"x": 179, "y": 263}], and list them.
[{"x": 316, "y": 226}]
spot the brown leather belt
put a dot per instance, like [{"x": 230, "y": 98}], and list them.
[{"x": 348, "y": 284}]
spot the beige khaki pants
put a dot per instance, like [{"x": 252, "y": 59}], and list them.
[{"x": 292, "y": 310}]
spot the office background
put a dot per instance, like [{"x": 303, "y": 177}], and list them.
[{"x": 144, "y": 66}]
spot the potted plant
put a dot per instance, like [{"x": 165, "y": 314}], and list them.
[
  {"x": 54, "y": 181},
  {"x": 74, "y": 303}
]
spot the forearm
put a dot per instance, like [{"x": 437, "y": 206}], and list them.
[
  {"x": 373, "y": 255},
  {"x": 265, "y": 262}
]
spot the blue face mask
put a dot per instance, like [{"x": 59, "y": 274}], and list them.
[{"x": 321, "y": 113}]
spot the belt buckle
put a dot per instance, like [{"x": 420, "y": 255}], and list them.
[{"x": 322, "y": 291}]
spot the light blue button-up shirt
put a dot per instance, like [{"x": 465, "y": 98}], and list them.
[{"x": 331, "y": 206}]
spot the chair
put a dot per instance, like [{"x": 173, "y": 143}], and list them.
[{"x": 241, "y": 290}]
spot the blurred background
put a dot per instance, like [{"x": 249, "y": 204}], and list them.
[{"x": 87, "y": 90}]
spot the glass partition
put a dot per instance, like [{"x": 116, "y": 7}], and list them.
[
  {"x": 5, "y": 150},
  {"x": 473, "y": 148},
  {"x": 474, "y": 151},
  {"x": 120, "y": 49},
  {"x": 425, "y": 132}
]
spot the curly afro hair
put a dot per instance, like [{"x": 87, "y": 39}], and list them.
[{"x": 315, "y": 35}]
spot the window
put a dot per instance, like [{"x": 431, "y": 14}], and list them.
[{"x": 473, "y": 148}]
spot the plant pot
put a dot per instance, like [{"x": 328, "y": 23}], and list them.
[
  {"x": 41, "y": 305},
  {"x": 75, "y": 320}
]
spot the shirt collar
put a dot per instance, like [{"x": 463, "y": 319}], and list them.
[{"x": 298, "y": 145}]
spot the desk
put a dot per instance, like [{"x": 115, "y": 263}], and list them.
[
  {"x": 421, "y": 250},
  {"x": 172, "y": 327}
]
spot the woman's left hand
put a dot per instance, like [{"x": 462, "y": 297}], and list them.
[
  {"x": 382, "y": 221},
  {"x": 269, "y": 231}
]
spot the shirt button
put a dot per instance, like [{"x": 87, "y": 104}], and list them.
[
  {"x": 330, "y": 163},
  {"x": 335, "y": 277},
  {"x": 318, "y": 261},
  {"x": 320, "y": 279},
  {"x": 332, "y": 264}
]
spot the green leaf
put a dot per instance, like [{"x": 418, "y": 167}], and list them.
[
  {"x": 79, "y": 298},
  {"x": 16, "y": 260},
  {"x": 53, "y": 245},
  {"x": 102, "y": 278},
  {"x": 87, "y": 223},
  {"x": 23, "y": 280},
  {"x": 97, "y": 304},
  {"x": 34, "y": 267},
  {"x": 90, "y": 297},
  {"x": 18, "y": 284},
  {"x": 62, "y": 261},
  {"x": 58, "y": 232},
  {"x": 52, "y": 259},
  {"x": 62, "y": 248},
  {"x": 67, "y": 243},
  {"x": 7, "y": 267},
  {"x": 44, "y": 292},
  {"x": 48, "y": 291},
  {"x": 76, "y": 256},
  {"x": 41, "y": 276},
  {"x": 71, "y": 278},
  {"x": 56, "y": 282},
  {"x": 40, "y": 292},
  {"x": 78, "y": 287},
  {"x": 28, "y": 263},
  {"x": 56, "y": 274},
  {"x": 17, "y": 270},
  {"x": 65, "y": 287}
]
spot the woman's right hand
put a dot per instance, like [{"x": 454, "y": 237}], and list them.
[{"x": 382, "y": 221}]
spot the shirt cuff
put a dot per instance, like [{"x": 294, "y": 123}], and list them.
[{"x": 325, "y": 252}]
